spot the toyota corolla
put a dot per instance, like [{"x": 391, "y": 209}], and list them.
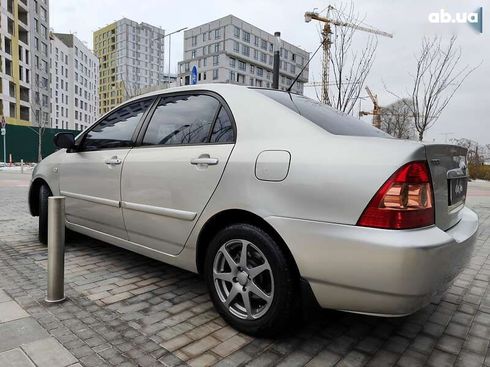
[{"x": 273, "y": 197}]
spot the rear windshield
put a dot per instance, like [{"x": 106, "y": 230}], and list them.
[{"x": 322, "y": 115}]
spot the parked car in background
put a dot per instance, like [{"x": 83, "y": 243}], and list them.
[{"x": 273, "y": 197}]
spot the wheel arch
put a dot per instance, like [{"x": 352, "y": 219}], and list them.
[
  {"x": 34, "y": 195},
  {"x": 234, "y": 216}
]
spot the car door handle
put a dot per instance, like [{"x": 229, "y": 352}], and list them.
[
  {"x": 206, "y": 161},
  {"x": 113, "y": 161}
]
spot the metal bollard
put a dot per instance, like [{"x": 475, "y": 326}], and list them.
[
  {"x": 21, "y": 166},
  {"x": 56, "y": 249}
]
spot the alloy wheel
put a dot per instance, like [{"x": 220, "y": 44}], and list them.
[{"x": 243, "y": 279}]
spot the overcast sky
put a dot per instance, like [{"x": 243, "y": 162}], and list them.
[{"x": 468, "y": 113}]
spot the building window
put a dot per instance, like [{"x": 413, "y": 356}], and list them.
[
  {"x": 242, "y": 65},
  {"x": 216, "y": 47},
  {"x": 204, "y": 37},
  {"x": 263, "y": 57},
  {"x": 236, "y": 46},
  {"x": 252, "y": 69},
  {"x": 256, "y": 54},
  {"x": 193, "y": 54},
  {"x": 215, "y": 60},
  {"x": 215, "y": 74},
  {"x": 260, "y": 72},
  {"x": 217, "y": 34},
  {"x": 245, "y": 50},
  {"x": 232, "y": 62},
  {"x": 232, "y": 76},
  {"x": 246, "y": 36},
  {"x": 263, "y": 44},
  {"x": 236, "y": 32},
  {"x": 194, "y": 40}
]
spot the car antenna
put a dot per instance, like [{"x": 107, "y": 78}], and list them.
[{"x": 304, "y": 67}]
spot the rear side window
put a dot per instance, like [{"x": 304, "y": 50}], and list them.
[
  {"x": 322, "y": 115},
  {"x": 182, "y": 120},
  {"x": 116, "y": 130},
  {"x": 222, "y": 129}
]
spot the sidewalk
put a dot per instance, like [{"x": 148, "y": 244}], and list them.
[{"x": 23, "y": 342}]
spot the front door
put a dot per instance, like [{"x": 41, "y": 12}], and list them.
[
  {"x": 90, "y": 175},
  {"x": 168, "y": 180}
]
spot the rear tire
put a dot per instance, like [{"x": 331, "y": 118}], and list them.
[
  {"x": 44, "y": 193},
  {"x": 257, "y": 302}
]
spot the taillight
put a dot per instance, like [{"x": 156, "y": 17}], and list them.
[{"x": 404, "y": 201}]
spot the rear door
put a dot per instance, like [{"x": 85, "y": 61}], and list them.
[
  {"x": 168, "y": 179},
  {"x": 450, "y": 179},
  {"x": 90, "y": 175}
]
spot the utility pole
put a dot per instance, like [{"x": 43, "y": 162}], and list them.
[{"x": 275, "y": 69}]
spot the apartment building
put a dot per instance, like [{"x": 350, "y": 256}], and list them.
[
  {"x": 38, "y": 26},
  {"x": 15, "y": 66},
  {"x": 74, "y": 83},
  {"x": 131, "y": 57},
  {"x": 230, "y": 50}
]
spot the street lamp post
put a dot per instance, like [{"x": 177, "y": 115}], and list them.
[
  {"x": 275, "y": 68},
  {"x": 169, "y": 35}
]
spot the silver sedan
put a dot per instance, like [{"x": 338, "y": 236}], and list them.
[{"x": 275, "y": 198}]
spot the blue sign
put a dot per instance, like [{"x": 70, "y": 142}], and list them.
[{"x": 194, "y": 75}]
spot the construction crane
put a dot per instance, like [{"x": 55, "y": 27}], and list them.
[
  {"x": 376, "y": 112},
  {"x": 326, "y": 35}
]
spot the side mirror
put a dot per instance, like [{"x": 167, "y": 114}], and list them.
[{"x": 64, "y": 140}]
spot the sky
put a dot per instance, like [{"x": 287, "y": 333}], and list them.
[{"x": 468, "y": 113}]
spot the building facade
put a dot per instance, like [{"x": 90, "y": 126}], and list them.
[
  {"x": 131, "y": 57},
  {"x": 230, "y": 50},
  {"x": 24, "y": 60},
  {"x": 39, "y": 59},
  {"x": 74, "y": 83}
]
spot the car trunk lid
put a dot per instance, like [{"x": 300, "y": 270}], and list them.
[{"x": 449, "y": 174}]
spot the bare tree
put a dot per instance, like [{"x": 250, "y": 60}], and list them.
[
  {"x": 349, "y": 66},
  {"x": 397, "y": 120},
  {"x": 476, "y": 152},
  {"x": 437, "y": 78},
  {"x": 40, "y": 122}
]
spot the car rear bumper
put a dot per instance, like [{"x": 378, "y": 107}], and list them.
[{"x": 376, "y": 271}]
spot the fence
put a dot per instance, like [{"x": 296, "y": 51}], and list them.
[{"x": 22, "y": 143}]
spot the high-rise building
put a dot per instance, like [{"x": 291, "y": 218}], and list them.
[
  {"x": 24, "y": 60},
  {"x": 39, "y": 60},
  {"x": 131, "y": 57},
  {"x": 74, "y": 83},
  {"x": 230, "y": 50}
]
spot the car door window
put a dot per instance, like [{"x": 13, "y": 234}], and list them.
[
  {"x": 116, "y": 130},
  {"x": 222, "y": 129},
  {"x": 182, "y": 120}
]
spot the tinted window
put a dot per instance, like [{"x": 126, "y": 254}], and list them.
[
  {"x": 182, "y": 120},
  {"x": 116, "y": 130},
  {"x": 222, "y": 129},
  {"x": 324, "y": 116}
]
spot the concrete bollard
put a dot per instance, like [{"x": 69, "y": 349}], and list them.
[
  {"x": 56, "y": 249},
  {"x": 21, "y": 166}
]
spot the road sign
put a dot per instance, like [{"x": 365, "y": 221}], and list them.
[
  {"x": 194, "y": 75},
  {"x": 3, "y": 131}
]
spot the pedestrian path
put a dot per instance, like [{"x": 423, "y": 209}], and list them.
[{"x": 25, "y": 343}]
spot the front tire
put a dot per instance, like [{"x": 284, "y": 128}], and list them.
[
  {"x": 44, "y": 193},
  {"x": 252, "y": 284}
]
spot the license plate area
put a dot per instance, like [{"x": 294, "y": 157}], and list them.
[{"x": 457, "y": 190}]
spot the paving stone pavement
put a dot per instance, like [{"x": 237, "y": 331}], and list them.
[{"x": 126, "y": 310}]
